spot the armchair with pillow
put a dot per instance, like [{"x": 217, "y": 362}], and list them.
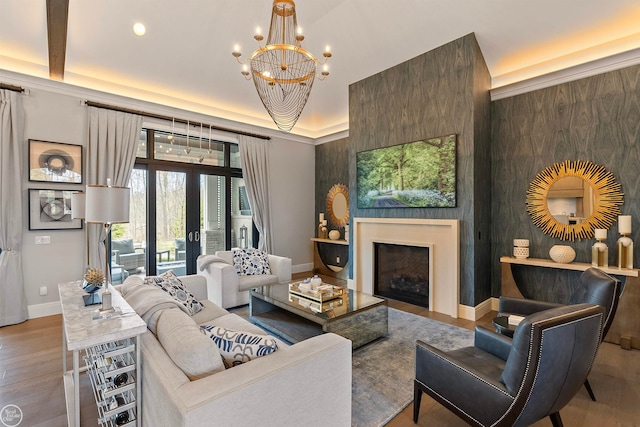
[
  {"x": 232, "y": 274},
  {"x": 124, "y": 253}
]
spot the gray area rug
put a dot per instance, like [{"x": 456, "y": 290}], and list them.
[{"x": 383, "y": 370}]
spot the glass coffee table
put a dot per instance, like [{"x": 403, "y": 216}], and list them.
[{"x": 354, "y": 315}]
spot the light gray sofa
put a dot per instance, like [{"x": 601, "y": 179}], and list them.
[
  {"x": 308, "y": 383},
  {"x": 227, "y": 289}
]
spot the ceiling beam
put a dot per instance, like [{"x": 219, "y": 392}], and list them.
[{"x": 57, "y": 18}]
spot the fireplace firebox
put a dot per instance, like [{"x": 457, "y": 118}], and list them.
[{"x": 401, "y": 272}]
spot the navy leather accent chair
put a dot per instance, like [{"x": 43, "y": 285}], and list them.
[
  {"x": 595, "y": 287},
  {"x": 514, "y": 382}
]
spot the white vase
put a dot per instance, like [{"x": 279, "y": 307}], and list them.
[
  {"x": 562, "y": 253},
  {"x": 334, "y": 235}
]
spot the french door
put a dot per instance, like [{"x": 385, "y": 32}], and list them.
[
  {"x": 183, "y": 206},
  {"x": 187, "y": 217}
]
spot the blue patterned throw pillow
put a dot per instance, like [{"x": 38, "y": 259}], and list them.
[
  {"x": 237, "y": 347},
  {"x": 170, "y": 283},
  {"x": 249, "y": 262}
]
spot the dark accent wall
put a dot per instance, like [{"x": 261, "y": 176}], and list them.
[
  {"x": 446, "y": 90},
  {"x": 332, "y": 167},
  {"x": 595, "y": 118},
  {"x": 441, "y": 92}
]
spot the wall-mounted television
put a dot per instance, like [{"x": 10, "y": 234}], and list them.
[{"x": 419, "y": 174}]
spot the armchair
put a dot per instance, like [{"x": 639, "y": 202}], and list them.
[
  {"x": 505, "y": 382},
  {"x": 227, "y": 289},
  {"x": 595, "y": 287},
  {"x": 125, "y": 254}
]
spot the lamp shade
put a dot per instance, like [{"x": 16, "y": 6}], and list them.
[
  {"x": 107, "y": 204},
  {"x": 77, "y": 205}
]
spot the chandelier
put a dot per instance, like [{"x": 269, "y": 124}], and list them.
[{"x": 283, "y": 72}]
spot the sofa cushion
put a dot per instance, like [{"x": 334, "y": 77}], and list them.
[
  {"x": 210, "y": 312},
  {"x": 237, "y": 347},
  {"x": 149, "y": 301},
  {"x": 250, "y": 261},
  {"x": 170, "y": 283},
  {"x": 191, "y": 350}
]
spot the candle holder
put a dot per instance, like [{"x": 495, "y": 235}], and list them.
[
  {"x": 321, "y": 220},
  {"x": 600, "y": 250},
  {"x": 624, "y": 254}
]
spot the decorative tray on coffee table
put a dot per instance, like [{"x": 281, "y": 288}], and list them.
[
  {"x": 320, "y": 294},
  {"x": 318, "y": 307}
]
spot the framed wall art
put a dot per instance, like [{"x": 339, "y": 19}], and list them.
[
  {"x": 51, "y": 210},
  {"x": 55, "y": 162},
  {"x": 420, "y": 174}
]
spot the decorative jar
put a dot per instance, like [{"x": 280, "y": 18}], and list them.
[{"x": 562, "y": 253}]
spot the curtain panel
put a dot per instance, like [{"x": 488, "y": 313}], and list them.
[
  {"x": 13, "y": 303},
  {"x": 113, "y": 143},
  {"x": 255, "y": 171}
]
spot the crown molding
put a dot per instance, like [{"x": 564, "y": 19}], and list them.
[
  {"x": 577, "y": 72},
  {"x": 82, "y": 93}
]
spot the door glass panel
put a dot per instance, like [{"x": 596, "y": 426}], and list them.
[
  {"x": 235, "y": 156},
  {"x": 212, "y": 214},
  {"x": 171, "y": 228},
  {"x": 142, "y": 145},
  {"x": 240, "y": 215},
  {"x": 128, "y": 241},
  {"x": 199, "y": 151}
]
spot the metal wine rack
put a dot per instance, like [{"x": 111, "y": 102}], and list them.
[{"x": 112, "y": 369}]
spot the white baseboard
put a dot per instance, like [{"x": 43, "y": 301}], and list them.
[
  {"x": 46, "y": 309},
  {"x": 301, "y": 268},
  {"x": 474, "y": 313}
]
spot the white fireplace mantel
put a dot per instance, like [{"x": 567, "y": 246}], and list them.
[{"x": 442, "y": 235}]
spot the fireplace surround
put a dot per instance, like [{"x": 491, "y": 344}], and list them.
[{"x": 442, "y": 236}]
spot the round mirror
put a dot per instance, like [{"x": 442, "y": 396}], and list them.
[
  {"x": 338, "y": 205},
  {"x": 570, "y": 200}
]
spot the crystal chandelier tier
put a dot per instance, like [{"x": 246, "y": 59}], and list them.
[{"x": 282, "y": 70}]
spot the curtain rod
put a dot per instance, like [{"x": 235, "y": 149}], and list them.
[
  {"x": 11, "y": 87},
  {"x": 161, "y": 117}
]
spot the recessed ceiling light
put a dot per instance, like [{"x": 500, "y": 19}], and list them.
[{"x": 139, "y": 29}]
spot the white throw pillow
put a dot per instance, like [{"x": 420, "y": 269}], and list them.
[
  {"x": 250, "y": 261},
  {"x": 170, "y": 283},
  {"x": 190, "y": 349},
  {"x": 237, "y": 347}
]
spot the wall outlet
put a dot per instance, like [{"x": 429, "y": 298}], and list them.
[
  {"x": 43, "y": 240},
  {"x": 44, "y": 290}
]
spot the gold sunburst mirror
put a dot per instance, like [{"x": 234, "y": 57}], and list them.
[
  {"x": 588, "y": 188},
  {"x": 338, "y": 205}
]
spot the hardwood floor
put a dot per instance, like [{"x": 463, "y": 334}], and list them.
[{"x": 31, "y": 378}]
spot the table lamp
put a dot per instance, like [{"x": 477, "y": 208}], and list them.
[{"x": 107, "y": 205}]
